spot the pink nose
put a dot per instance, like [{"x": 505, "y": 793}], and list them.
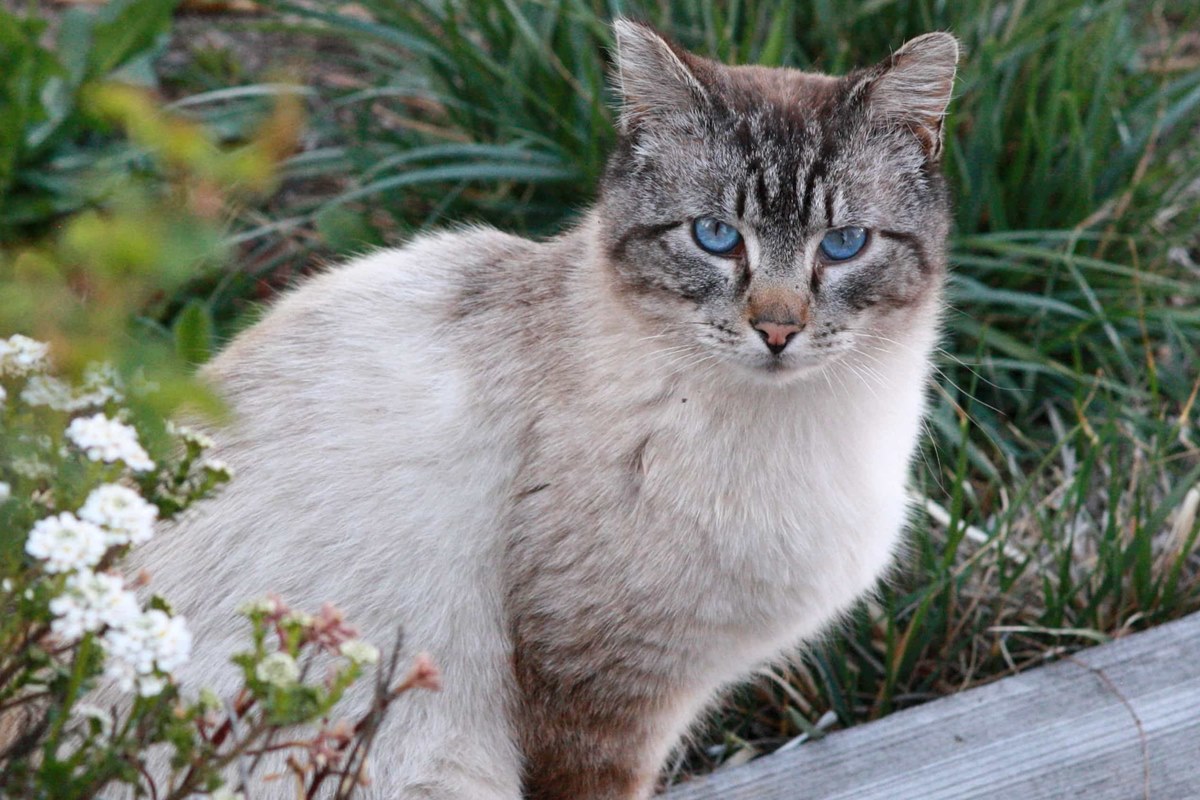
[{"x": 776, "y": 334}]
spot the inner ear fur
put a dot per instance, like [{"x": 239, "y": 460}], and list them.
[
  {"x": 655, "y": 77},
  {"x": 913, "y": 87}
]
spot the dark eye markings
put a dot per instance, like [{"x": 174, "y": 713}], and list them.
[
  {"x": 641, "y": 233},
  {"x": 913, "y": 242}
]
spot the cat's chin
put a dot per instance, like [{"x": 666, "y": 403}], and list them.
[{"x": 782, "y": 371}]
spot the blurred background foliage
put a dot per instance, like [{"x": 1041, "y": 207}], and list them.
[
  {"x": 238, "y": 151},
  {"x": 109, "y": 205}
]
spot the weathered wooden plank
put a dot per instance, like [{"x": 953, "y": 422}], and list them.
[{"x": 1118, "y": 722}]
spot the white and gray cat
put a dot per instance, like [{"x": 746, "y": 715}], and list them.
[{"x": 600, "y": 477}]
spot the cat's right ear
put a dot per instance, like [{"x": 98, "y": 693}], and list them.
[
  {"x": 913, "y": 87},
  {"x": 654, "y": 77}
]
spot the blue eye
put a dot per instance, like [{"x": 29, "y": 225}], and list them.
[
  {"x": 841, "y": 244},
  {"x": 715, "y": 236}
]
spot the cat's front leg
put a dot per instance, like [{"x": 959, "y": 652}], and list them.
[
  {"x": 585, "y": 756},
  {"x": 599, "y": 731}
]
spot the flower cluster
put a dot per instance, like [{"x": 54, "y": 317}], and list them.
[
  {"x": 108, "y": 440},
  {"x": 66, "y": 543},
  {"x": 326, "y": 631},
  {"x": 90, "y": 601},
  {"x": 125, "y": 517},
  {"x": 44, "y": 390},
  {"x": 329, "y": 629},
  {"x": 112, "y": 515},
  {"x": 190, "y": 435},
  {"x": 20, "y": 355},
  {"x": 75, "y": 476},
  {"x": 279, "y": 669},
  {"x": 150, "y": 643},
  {"x": 360, "y": 652},
  {"x": 142, "y": 648},
  {"x": 101, "y": 385}
]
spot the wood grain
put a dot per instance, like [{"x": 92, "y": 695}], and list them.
[{"x": 1116, "y": 722}]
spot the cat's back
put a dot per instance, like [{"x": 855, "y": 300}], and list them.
[
  {"x": 365, "y": 462},
  {"x": 349, "y": 318},
  {"x": 369, "y": 352}
]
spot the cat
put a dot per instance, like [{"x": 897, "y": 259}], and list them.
[{"x": 601, "y": 477}]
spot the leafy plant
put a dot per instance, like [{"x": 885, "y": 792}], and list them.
[
  {"x": 89, "y": 464},
  {"x": 54, "y": 156},
  {"x": 87, "y": 492}
]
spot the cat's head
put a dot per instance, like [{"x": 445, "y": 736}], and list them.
[{"x": 774, "y": 218}]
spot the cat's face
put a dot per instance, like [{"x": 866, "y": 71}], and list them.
[{"x": 773, "y": 219}]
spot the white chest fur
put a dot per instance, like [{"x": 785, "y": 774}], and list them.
[{"x": 738, "y": 519}]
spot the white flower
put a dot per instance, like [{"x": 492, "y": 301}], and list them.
[
  {"x": 218, "y": 466},
  {"x": 92, "y": 600},
  {"x": 90, "y": 712},
  {"x": 190, "y": 435},
  {"x": 6, "y": 585},
  {"x": 125, "y": 517},
  {"x": 66, "y": 543},
  {"x": 100, "y": 385},
  {"x": 5, "y": 492},
  {"x": 20, "y": 355},
  {"x": 44, "y": 390},
  {"x": 360, "y": 652},
  {"x": 150, "y": 641},
  {"x": 150, "y": 685},
  {"x": 3, "y": 395},
  {"x": 226, "y": 794},
  {"x": 130, "y": 680},
  {"x": 31, "y": 467},
  {"x": 297, "y": 618},
  {"x": 278, "y": 669},
  {"x": 208, "y": 701},
  {"x": 259, "y": 605},
  {"x": 105, "y": 439}
]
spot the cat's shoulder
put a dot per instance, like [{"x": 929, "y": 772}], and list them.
[
  {"x": 388, "y": 294},
  {"x": 424, "y": 276},
  {"x": 435, "y": 260}
]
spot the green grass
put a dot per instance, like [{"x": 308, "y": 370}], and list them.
[{"x": 1062, "y": 449}]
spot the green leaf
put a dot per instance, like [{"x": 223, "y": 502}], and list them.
[
  {"x": 345, "y": 230},
  {"x": 529, "y": 173},
  {"x": 75, "y": 43},
  {"x": 194, "y": 333},
  {"x": 777, "y": 37},
  {"x": 26, "y": 68},
  {"x": 125, "y": 29}
]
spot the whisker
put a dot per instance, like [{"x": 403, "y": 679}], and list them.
[
  {"x": 959, "y": 407},
  {"x": 862, "y": 378},
  {"x": 937, "y": 370},
  {"x": 692, "y": 364}
]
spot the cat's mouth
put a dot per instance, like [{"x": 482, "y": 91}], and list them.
[{"x": 787, "y": 367}]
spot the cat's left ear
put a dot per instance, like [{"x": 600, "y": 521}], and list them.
[{"x": 913, "y": 87}]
